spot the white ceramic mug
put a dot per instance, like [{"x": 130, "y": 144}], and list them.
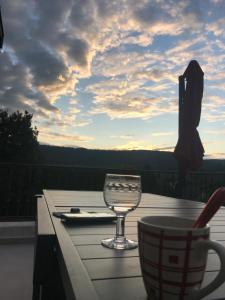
[{"x": 173, "y": 258}]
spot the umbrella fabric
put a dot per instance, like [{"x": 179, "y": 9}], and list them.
[{"x": 189, "y": 150}]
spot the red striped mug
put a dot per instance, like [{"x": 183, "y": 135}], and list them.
[{"x": 173, "y": 258}]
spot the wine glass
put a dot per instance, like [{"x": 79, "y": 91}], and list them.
[{"x": 122, "y": 194}]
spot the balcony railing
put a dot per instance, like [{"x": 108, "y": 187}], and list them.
[{"x": 19, "y": 183}]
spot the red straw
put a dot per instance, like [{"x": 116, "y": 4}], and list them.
[{"x": 213, "y": 204}]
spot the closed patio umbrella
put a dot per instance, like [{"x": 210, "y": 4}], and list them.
[
  {"x": 1, "y": 30},
  {"x": 189, "y": 150}
]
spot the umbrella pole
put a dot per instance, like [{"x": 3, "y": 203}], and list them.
[
  {"x": 181, "y": 104},
  {"x": 182, "y": 171}
]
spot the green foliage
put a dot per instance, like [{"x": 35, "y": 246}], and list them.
[{"x": 18, "y": 140}]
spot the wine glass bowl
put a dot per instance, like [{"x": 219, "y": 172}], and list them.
[{"x": 122, "y": 194}]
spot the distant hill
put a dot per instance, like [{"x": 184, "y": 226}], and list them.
[
  {"x": 213, "y": 165},
  {"x": 135, "y": 159}
]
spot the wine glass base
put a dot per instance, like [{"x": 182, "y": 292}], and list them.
[{"x": 120, "y": 244}]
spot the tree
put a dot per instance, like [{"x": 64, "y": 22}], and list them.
[{"x": 18, "y": 139}]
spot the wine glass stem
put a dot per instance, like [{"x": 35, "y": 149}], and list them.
[{"x": 120, "y": 225}]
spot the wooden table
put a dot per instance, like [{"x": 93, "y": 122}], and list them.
[{"x": 71, "y": 263}]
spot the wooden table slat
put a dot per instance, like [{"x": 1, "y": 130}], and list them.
[
  {"x": 129, "y": 266},
  {"x": 110, "y": 230},
  {"x": 133, "y": 288}
]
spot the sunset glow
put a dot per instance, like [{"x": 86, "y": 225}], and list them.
[{"x": 103, "y": 74}]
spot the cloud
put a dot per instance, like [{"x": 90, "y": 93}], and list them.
[
  {"x": 214, "y": 132},
  {"x": 156, "y": 88},
  {"x": 63, "y": 139},
  {"x": 123, "y": 137},
  {"x": 39, "y": 45},
  {"x": 134, "y": 145},
  {"x": 214, "y": 117},
  {"x": 82, "y": 14},
  {"x": 164, "y": 148},
  {"x": 218, "y": 86},
  {"x": 154, "y": 75},
  {"x": 142, "y": 145},
  {"x": 35, "y": 71},
  {"x": 131, "y": 85},
  {"x": 125, "y": 108},
  {"x": 123, "y": 62},
  {"x": 126, "y": 137},
  {"x": 216, "y": 155},
  {"x": 213, "y": 109},
  {"x": 17, "y": 91},
  {"x": 78, "y": 51},
  {"x": 217, "y": 27},
  {"x": 185, "y": 45},
  {"x": 151, "y": 13},
  {"x": 115, "y": 99},
  {"x": 165, "y": 133},
  {"x": 128, "y": 99},
  {"x": 170, "y": 18}
]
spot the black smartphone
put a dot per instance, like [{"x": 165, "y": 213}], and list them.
[
  {"x": 58, "y": 214},
  {"x": 88, "y": 217}
]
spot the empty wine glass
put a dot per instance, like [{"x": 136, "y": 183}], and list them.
[{"x": 122, "y": 194}]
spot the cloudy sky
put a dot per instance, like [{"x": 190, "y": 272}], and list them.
[{"x": 103, "y": 73}]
